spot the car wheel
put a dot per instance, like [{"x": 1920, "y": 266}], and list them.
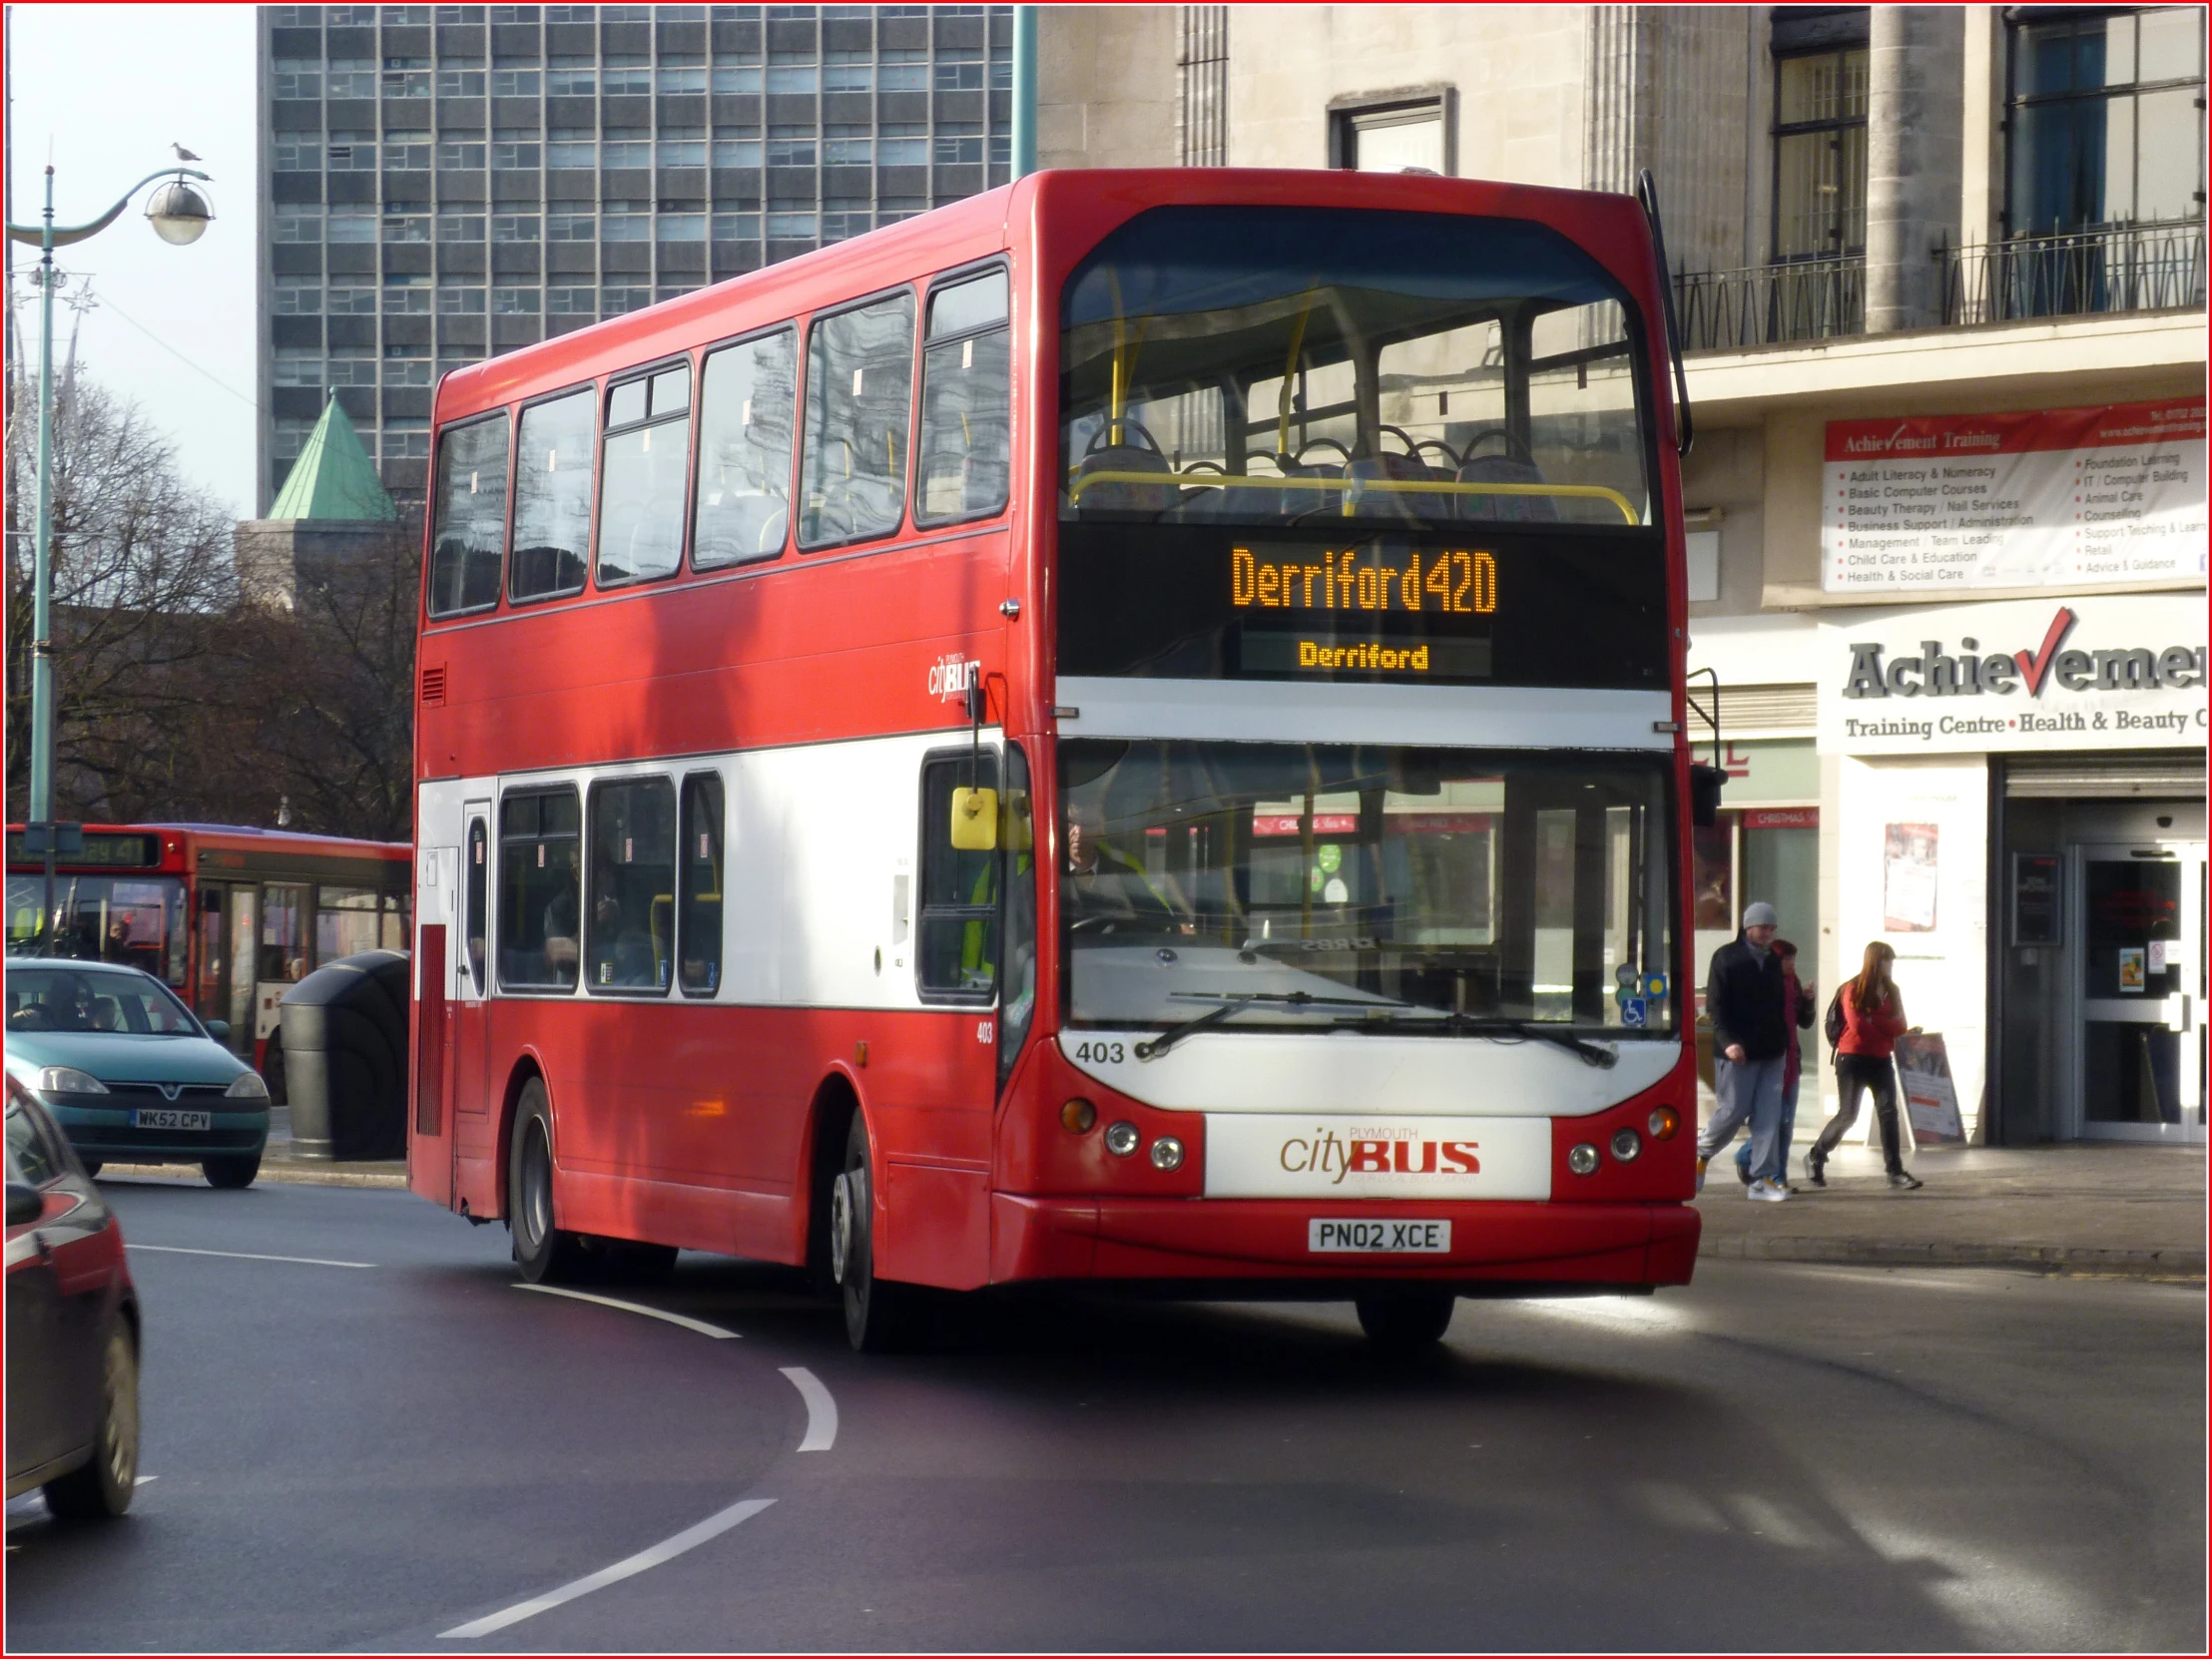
[
  {"x": 101, "y": 1490},
  {"x": 233, "y": 1172},
  {"x": 879, "y": 1317},
  {"x": 1405, "y": 1318},
  {"x": 545, "y": 1254}
]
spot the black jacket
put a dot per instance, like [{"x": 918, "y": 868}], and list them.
[{"x": 1746, "y": 1002}]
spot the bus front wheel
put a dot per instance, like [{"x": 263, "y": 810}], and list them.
[
  {"x": 1400, "y": 1318},
  {"x": 879, "y": 1316},
  {"x": 545, "y": 1254}
]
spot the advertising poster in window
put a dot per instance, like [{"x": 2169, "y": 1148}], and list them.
[
  {"x": 2064, "y": 497},
  {"x": 1930, "y": 1096},
  {"x": 1909, "y": 877}
]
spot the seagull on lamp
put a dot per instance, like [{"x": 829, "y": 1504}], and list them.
[{"x": 183, "y": 153}]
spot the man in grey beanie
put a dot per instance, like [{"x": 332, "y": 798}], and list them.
[{"x": 1747, "y": 1003}]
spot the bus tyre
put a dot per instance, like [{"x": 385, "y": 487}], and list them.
[
  {"x": 233, "y": 1172},
  {"x": 93, "y": 1166},
  {"x": 1401, "y": 1318},
  {"x": 545, "y": 1254},
  {"x": 100, "y": 1488},
  {"x": 879, "y": 1316}
]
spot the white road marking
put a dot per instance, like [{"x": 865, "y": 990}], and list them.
[
  {"x": 250, "y": 1256},
  {"x": 700, "y": 1326},
  {"x": 822, "y": 1411},
  {"x": 690, "y": 1538},
  {"x": 144, "y": 1478}
]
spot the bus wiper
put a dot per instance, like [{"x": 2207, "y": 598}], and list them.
[
  {"x": 1491, "y": 1025},
  {"x": 1236, "y": 1004}
]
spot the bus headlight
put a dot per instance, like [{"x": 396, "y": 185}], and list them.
[
  {"x": 1663, "y": 1122},
  {"x": 69, "y": 1080},
  {"x": 1122, "y": 1139},
  {"x": 1167, "y": 1153},
  {"x": 1626, "y": 1145},
  {"x": 1583, "y": 1158},
  {"x": 247, "y": 1085}
]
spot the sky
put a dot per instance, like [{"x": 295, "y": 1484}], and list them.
[{"x": 105, "y": 90}]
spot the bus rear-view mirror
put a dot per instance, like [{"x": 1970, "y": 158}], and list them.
[
  {"x": 975, "y": 821},
  {"x": 1705, "y": 795}
]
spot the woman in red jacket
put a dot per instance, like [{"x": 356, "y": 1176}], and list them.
[{"x": 1874, "y": 1019}]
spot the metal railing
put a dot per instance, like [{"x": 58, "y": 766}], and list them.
[
  {"x": 2132, "y": 267},
  {"x": 2137, "y": 268},
  {"x": 1767, "y": 304}
]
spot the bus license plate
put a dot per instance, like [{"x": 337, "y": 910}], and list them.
[
  {"x": 164, "y": 1117},
  {"x": 1378, "y": 1237}
]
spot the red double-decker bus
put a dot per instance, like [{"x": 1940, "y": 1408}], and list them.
[
  {"x": 1129, "y": 730},
  {"x": 228, "y": 915}
]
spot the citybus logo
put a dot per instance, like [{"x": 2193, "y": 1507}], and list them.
[
  {"x": 1972, "y": 673},
  {"x": 951, "y": 675},
  {"x": 1365, "y": 1150}
]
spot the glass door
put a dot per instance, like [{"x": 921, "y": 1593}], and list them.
[{"x": 2140, "y": 968}]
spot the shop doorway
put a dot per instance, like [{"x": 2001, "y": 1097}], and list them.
[{"x": 2137, "y": 976}]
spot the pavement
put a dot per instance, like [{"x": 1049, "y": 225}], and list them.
[{"x": 2080, "y": 1207}]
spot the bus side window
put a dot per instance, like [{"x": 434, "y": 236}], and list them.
[
  {"x": 748, "y": 403},
  {"x": 956, "y": 956},
  {"x": 539, "y": 925},
  {"x": 553, "y": 454},
  {"x": 964, "y": 452},
  {"x": 471, "y": 529},
  {"x": 859, "y": 370},
  {"x": 629, "y": 936},
  {"x": 643, "y": 461},
  {"x": 699, "y": 924}
]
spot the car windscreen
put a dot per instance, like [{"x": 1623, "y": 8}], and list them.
[{"x": 42, "y": 997}]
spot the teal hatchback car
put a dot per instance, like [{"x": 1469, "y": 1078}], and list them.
[{"x": 129, "y": 1073}]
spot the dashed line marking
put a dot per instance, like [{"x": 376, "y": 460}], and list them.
[
  {"x": 667, "y": 1550},
  {"x": 821, "y": 1410},
  {"x": 689, "y": 1324},
  {"x": 248, "y": 1255}
]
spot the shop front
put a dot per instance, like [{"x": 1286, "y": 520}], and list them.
[{"x": 2014, "y": 798}]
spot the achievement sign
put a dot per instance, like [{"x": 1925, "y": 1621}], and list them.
[{"x": 2057, "y": 497}]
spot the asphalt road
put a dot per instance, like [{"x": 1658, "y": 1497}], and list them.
[{"x": 1797, "y": 1458}]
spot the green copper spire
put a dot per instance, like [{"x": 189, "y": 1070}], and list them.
[{"x": 333, "y": 477}]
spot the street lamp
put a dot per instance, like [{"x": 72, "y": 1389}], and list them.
[{"x": 179, "y": 214}]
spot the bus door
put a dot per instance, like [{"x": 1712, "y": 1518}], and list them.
[
  {"x": 224, "y": 988},
  {"x": 431, "y": 1145},
  {"x": 287, "y": 913},
  {"x": 467, "y": 1018}
]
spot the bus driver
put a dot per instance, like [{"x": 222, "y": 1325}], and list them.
[{"x": 1104, "y": 890}]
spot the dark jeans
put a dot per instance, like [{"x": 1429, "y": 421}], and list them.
[{"x": 1853, "y": 1073}]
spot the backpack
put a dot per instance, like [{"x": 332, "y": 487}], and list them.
[{"x": 1835, "y": 1023}]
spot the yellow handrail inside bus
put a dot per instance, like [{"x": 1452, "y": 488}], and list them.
[
  {"x": 1380, "y": 486},
  {"x": 1290, "y": 367}
]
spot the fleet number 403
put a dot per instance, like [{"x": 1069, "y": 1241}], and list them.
[{"x": 1101, "y": 1053}]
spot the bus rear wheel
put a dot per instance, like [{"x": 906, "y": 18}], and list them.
[
  {"x": 879, "y": 1317},
  {"x": 545, "y": 1254},
  {"x": 1400, "y": 1318}
]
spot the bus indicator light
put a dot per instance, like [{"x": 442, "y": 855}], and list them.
[
  {"x": 1663, "y": 1122},
  {"x": 1077, "y": 1116}
]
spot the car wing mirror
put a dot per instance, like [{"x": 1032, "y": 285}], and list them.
[
  {"x": 975, "y": 821},
  {"x": 25, "y": 1204},
  {"x": 220, "y": 1029}
]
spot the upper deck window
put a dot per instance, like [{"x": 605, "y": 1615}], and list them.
[
  {"x": 749, "y": 399},
  {"x": 964, "y": 449},
  {"x": 552, "y": 497},
  {"x": 471, "y": 523},
  {"x": 860, "y": 378},
  {"x": 1280, "y": 366},
  {"x": 643, "y": 462}
]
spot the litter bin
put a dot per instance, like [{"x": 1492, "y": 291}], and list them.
[{"x": 345, "y": 1057}]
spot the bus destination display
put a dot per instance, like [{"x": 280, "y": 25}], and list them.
[{"x": 1344, "y": 602}]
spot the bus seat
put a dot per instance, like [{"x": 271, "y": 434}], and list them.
[
  {"x": 1504, "y": 469},
  {"x": 1395, "y": 469},
  {"x": 1124, "y": 498}
]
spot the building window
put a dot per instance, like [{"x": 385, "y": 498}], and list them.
[
  {"x": 461, "y": 83},
  {"x": 406, "y": 151},
  {"x": 460, "y": 227},
  {"x": 514, "y": 301},
  {"x": 626, "y": 71},
  {"x": 406, "y": 296},
  {"x": 791, "y": 147},
  {"x": 352, "y": 78},
  {"x": 571, "y": 227},
  {"x": 795, "y": 78},
  {"x": 352, "y": 228},
  {"x": 626, "y": 226},
  {"x": 512, "y": 148},
  {"x": 847, "y": 146},
  {"x": 353, "y": 152},
  {"x": 296, "y": 227},
  {"x": 572, "y": 301},
  {"x": 406, "y": 228},
  {"x": 792, "y": 226},
  {"x": 959, "y": 142},
  {"x": 680, "y": 228},
  {"x": 354, "y": 300},
  {"x": 737, "y": 147},
  {"x": 682, "y": 147},
  {"x": 614, "y": 302},
  {"x": 297, "y": 295},
  {"x": 296, "y": 366},
  {"x": 729, "y": 77},
  {"x": 1389, "y": 137},
  {"x": 514, "y": 82},
  {"x": 626, "y": 147},
  {"x": 410, "y": 83},
  {"x": 737, "y": 227},
  {"x": 404, "y": 365},
  {"x": 903, "y": 144},
  {"x": 295, "y": 153},
  {"x": 2107, "y": 121},
  {"x": 682, "y": 74},
  {"x": 460, "y": 300},
  {"x": 461, "y": 149},
  {"x": 515, "y": 227},
  {"x": 572, "y": 146},
  {"x": 1819, "y": 154},
  {"x": 570, "y": 77},
  {"x": 297, "y": 77}
]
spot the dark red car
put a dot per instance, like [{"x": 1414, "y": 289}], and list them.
[{"x": 72, "y": 1328}]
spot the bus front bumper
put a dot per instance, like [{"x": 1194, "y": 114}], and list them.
[{"x": 1493, "y": 1244}]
